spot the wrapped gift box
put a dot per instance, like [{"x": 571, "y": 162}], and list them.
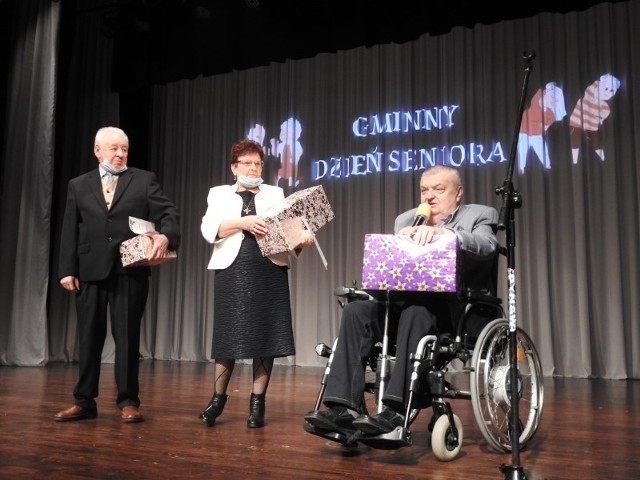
[
  {"x": 397, "y": 263},
  {"x": 285, "y": 221},
  {"x": 136, "y": 251}
]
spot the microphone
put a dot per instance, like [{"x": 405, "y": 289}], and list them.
[{"x": 422, "y": 214}]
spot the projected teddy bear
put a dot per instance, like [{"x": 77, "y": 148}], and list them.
[
  {"x": 589, "y": 114},
  {"x": 289, "y": 149}
]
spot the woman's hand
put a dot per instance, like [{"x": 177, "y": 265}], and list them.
[
  {"x": 308, "y": 238},
  {"x": 255, "y": 225}
]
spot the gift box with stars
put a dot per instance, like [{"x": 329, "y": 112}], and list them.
[{"x": 397, "y": 263}]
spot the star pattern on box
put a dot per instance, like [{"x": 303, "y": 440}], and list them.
[{"x": 395, "y": 262}]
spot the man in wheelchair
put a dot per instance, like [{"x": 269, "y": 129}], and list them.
[{"x": 362, "y": 320}]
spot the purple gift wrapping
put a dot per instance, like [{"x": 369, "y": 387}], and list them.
[
  {"x": 284, "y": 221},
  {"x": 396, "y": 263},
  {"x": 135, "y": 252}
]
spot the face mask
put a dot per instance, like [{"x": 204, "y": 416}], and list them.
[
  {"x": 249, "y": 182},
  {"x": 111, "y": 169}
]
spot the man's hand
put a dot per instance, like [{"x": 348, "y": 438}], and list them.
[
  {"x": 70, "y": 283},
  {"x": 423, "y": 234},
  {"x": 159, "y": 247}
]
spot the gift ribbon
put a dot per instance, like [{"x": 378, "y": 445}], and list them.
[{"x": 322, "y": 257}]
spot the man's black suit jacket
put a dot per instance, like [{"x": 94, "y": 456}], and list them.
[{"x": 91, "y": 233}]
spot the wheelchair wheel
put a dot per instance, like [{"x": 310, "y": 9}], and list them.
[
  {"x": 444, "y": 445},
  {"x": 490, "y": 386}
]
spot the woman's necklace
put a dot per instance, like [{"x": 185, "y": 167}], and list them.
[{"x": 247, "y": 206}]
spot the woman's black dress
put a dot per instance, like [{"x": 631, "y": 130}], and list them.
[{"x": 252, "y": 307}]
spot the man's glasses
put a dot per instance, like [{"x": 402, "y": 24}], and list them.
[{"x": 248, "y": 164}]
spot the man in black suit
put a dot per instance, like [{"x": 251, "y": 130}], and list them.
[{"x": 96, "y": 222}]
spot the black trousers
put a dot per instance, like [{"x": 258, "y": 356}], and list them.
[
  {"x": 126, "y": 297},
  {"x": 360, "y": 328}
]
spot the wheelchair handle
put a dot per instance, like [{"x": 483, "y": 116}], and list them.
[{"x": 352, "y": 293}]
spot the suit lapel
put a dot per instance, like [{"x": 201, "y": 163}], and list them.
[
  {"x": 124, "y": 179},
  {"x": 95, "y": 183}
]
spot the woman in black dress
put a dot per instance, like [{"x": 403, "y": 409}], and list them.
[{"x": 252, "y": 309}]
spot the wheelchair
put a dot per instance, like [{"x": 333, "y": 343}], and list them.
[{"x": 486, "y": 361}]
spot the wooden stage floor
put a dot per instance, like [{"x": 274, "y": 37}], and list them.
[{"x": 590, "y": 429}]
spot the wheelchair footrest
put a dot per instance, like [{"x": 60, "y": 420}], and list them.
[
  {"x": 397, "y": 438},
  {"x": 347, "y": 441}
]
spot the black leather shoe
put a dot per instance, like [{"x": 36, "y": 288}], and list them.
[
  {"x": 384, "y": 422},
  {"x": 213, "y": 410},
  {"x": 335, "y": 419},
  {"x": 74, "y": 413},
  {"x": 256, "y": 411}
]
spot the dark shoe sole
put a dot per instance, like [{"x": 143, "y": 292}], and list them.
[
  {"x": 75, "y": 418},
  {"x": 370, "y": 426},
  {"x": 320, "y": 422},
  {"x": 132, "y": 419}
]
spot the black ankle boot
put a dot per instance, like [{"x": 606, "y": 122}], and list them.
[
  {"x": 214, "y": 409},
  {"x": 256, "y": 411}
]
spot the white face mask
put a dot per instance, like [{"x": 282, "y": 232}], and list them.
[
  {"x": 249, "y": 182},
  {"x": 111, "y": 169}
]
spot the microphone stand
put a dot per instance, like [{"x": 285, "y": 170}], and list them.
[{"x": 511, "y": 200}]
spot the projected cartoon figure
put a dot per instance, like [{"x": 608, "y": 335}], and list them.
[
  {"x": 257, "y": 134},
  {"x": 589, "y": 114},
  {"x": 271, "y": 165},
  {"x": 289, "y": 150},
  {"x": 546, "y": 107}
]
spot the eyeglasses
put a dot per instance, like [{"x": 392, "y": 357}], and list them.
[{"x": 248, "y": 164}]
